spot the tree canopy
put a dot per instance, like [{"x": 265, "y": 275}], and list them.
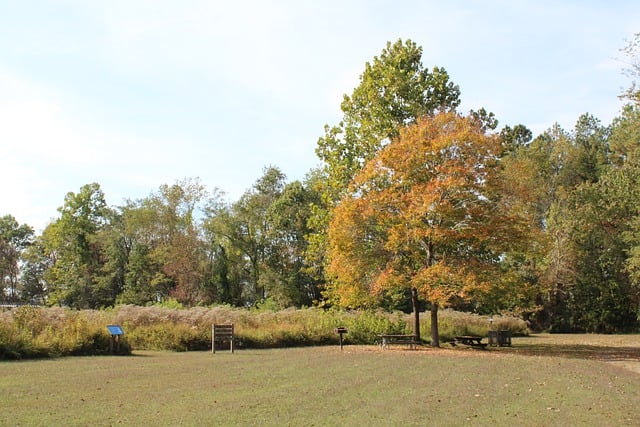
[
  {"x": 426, "y": 213},
  {"x": 15, "y": 238},
  {"x": 395, "y": 89},
  {"x": 411, "y": 197}
]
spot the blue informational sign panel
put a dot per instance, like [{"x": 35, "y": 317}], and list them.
[{"x": 115, "y": 329}]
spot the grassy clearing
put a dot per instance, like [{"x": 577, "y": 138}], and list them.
[{"x": 362, "y": 385}]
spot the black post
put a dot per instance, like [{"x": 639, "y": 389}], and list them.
[{"x": 341, "y": 330}]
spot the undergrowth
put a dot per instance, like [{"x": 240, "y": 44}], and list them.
[{"x": 30, "y": 332}]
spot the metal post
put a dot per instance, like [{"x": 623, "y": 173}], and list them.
[{"x": 340, "y": 331}]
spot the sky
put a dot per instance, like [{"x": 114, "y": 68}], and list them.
[{"x": 134, "y": 94}]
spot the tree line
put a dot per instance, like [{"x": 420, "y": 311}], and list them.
[{"x": 414, "y": 202}]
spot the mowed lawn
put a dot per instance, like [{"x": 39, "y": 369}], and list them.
[{"x": 540, "y": 381}]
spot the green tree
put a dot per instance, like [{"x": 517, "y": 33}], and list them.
[
  {"x": 552, "y": 154},
  {"x": 632, "y": 53},
  {"x": 291, "y": 283},
  {"x": 33, "y": 287},
  {"x": 592, "y": 142},
  {"x": 426, "y": 213},
  {"x": 111, "y": 279},
  {"x": 224, "y": 253},
  {"x": 486, "y": 120},
  {"x": 605, "y": 296},
  {"x": 242, "y": 234},
  {"x": 552, "y": 167},
  {"x": 14, "y": 240},
  {"x": 140, "y": 233},
  {"x": 395, "y": 89},
  {"x": 625, "y": 134},
  {"x": 515, "y": 137},
  {"x": 72, "y": 244}
]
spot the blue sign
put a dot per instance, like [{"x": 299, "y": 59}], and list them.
[{"x": 115, "y": 330}]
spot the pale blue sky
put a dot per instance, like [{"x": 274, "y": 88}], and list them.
[{"x": 134, "y": 94}]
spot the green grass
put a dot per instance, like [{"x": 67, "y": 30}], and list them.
[{"x": 363, "y": 385}]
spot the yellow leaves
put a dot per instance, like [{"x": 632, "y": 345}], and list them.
[
  {"x": 441, "y": 282},
  {"x": 351, "y": 295},
  {"x": 424, "y": 213}
]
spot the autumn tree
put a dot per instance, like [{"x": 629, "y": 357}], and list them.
[
  {"x": 180, "y": 251},
  {"x": 394, "y": 90},
  {"x": 426, "y": 213},
  {"x": 164, "y": 254}
]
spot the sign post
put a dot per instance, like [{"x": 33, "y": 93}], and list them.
[
  {"x": 341, "y": 331},
  {"x": 115, "y": 331}
]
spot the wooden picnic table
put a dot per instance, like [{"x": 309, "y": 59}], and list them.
[
  {"x": 471, "y": 340},
  {"x": 388, "y": 339}
]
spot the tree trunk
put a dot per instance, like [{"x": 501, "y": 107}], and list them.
[
  {"x": 435, "y": 339},
  {"x": 416, "y": 314}
]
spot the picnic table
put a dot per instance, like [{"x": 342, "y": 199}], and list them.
[
  {"x": 471, "y": 340},
  {"x": 388, "y": 339}
]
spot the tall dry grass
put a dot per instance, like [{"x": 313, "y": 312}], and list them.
[{"x": 42, "y": 332}]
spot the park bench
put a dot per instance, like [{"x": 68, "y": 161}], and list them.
[
  {"x": 222, "y": 334},
  {"x": 389, "y": 339},
  {"x": 471, "y": 341}
]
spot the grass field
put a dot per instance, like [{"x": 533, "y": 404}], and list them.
[{"x": 541, "y": 381}]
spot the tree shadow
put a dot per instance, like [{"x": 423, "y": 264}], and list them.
[{"x": 577, "y": 351}]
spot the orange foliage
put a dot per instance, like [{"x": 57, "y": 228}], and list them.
[{"x": 429, "y": 212}]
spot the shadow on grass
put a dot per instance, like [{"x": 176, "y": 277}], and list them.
[{"x": 577, "y": 351}]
